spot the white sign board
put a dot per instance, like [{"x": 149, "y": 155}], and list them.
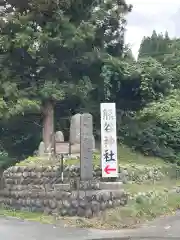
[{"x": 108, "y": 140}]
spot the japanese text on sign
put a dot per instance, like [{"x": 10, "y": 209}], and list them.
[{"x": 108, "y": 140}]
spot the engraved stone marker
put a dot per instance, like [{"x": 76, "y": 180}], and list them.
[
  {"x": 75, "y": 129},
  {"x": 86, "y": 147}
]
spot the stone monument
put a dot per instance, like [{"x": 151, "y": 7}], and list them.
[
  {"x": 59, "y": 136},
  {"x": 41, "y": 149},
  {"x": 86, "y": 147},
  {"x": 75, "y": 129},
  {"x": 74, "y": 138}
]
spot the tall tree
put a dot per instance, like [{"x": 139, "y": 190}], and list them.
[
  {"x": 154, "y": 46},
  {"x": 48, "y": 49},
  {"x": 171, "y": 60}
]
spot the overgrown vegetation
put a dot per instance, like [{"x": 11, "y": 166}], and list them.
[
  {"x": 59, "y": 59},
  {"x": 145, "y": 207}
]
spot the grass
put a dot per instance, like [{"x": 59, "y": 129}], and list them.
[
  {"x": 126, "y": 156},
  {"x": 157, "y": 186},
  {"x": 135, "y": 213},
  {"x": 30, "y": 216}
]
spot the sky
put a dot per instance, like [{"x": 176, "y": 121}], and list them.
[{"x": 148, "y": 15}]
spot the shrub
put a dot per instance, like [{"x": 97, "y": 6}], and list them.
[
  {"x": 156, "y": 129},
  {"x": 5, "y": 160}
]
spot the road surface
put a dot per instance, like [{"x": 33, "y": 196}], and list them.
[{"x": 14, "y": 229}]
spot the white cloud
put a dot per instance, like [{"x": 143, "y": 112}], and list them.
[{"x": 148, "y": 15}]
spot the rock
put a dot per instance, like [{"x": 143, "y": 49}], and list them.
[
  {"x": 59, "y": 136},
  {"x": 150, "y": 174},
  {"x": 25, "y": 209},
  {"x": 95, "y": 206},
  {"x": 102, "y": 206},
  {"x": 75, "y": 129},
  {"x": 73, "y": 196},
  {"x": 123, "y": 201},
  {"x": 80, "y": 212},
  {"x": 82, "y": 203},
  {"x": 59, "y": 195},
  {"x": 66, "y": 194},
  {"x": 99, "y": 197},
  {"x": 39, "y": 203},
  {"x": 47, "y": 211},
  {"x": 25, "y": 174},
  {"x": 72, "y": 211},
  {"x": 106, "y": 196},
  {"x": 75, "y": 148},
  {"x": 88, "y": 213},
  {"x": 15, "y": 169},
  {"x": 118, "y": 201},
  {"x": 110, "y": 204},
  {"x": 46, "y": 202},
  {"x": 55, "y": 212},
  {"x": 118, "y": 194},
  {"x": 59, "y": 205},
  {"x": 66, "y": 203},
  {"x": 41, "y": 149},
  {"x": 74, "y": 203},
  {"x": 123, "y": 175},
  {"x": 52, "y": 204},
  {"x": 115, "y": 203},
  {"x": 63, "y": 212}
]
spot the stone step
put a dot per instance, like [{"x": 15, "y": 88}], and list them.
[
  {"x": 62, "y": 186},
  {"x": 85, "y": 186},
  {"x": 110, "y": 185}
]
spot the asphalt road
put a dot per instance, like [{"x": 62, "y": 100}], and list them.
[{"x": 14, "y": 229}]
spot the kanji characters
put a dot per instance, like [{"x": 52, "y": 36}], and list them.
[
  {"x": 108, "y": 114},
  {"x": 108, "y": 141},
  {"x": 108, "y": 127},
  {"x": 109, "y": 156}
]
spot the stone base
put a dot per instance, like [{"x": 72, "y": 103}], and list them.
[
  {"x": 110, "y": 185},
  {"x": 62, "y": 186},
  {"x": 34, "y": 189},
  {"x": 89, "y": 185},
  {"x": 65, "y": 203},
  {"x": 75, "y": 156}
]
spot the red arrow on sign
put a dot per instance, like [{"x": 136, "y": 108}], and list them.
[{"x": 108, "y": 170}]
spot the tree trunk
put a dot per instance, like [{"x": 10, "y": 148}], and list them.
[{"x": 48, "y": 125}]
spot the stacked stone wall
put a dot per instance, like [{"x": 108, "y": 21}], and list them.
[{"x": 34, "y": 189}]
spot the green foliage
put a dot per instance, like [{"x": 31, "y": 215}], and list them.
[
  {"x": 155, "y": 46},
  {"x": 72, "y": 54},
  {"x": 48, "y": 52},
  {"x": 156, "y": 81},
  {"x": 21, "y": 134},
  {"x": 5, "y": 160},
  {"x": 128, "y": 82},
  {"x": 155, "y": 129}
]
